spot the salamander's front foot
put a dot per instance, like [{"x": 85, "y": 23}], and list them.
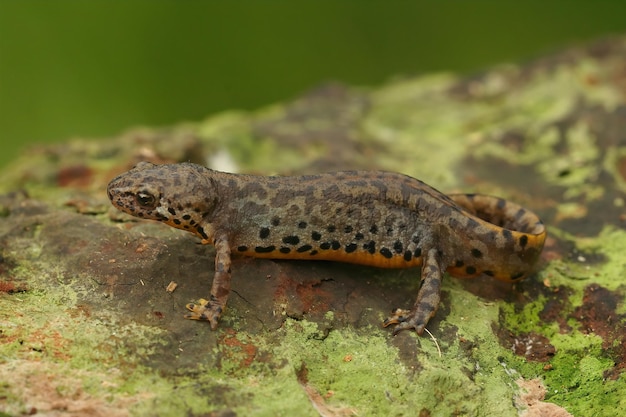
[
  {"x": 205, "y": 310},
  {"x": 407, "y": 319}
]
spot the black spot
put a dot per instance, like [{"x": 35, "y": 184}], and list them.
[
  {"x": 304, "y": 248},
  {"x": 418, "y": 252},
  {"x": 358, "y": 236},
  {"x": 389, "y": 231},
  {"x": 186, "y": 217},
  {"x": 351, "y": 247},
  {"x": 264, "y": 232},
  {"x": 242, "y": 248},
  {"x": 459, "y": 263},
  {"x": 476, "y": 253},
  {"x": 291, "y": 240},
  {"x": 171, "y": 210},
  {"x": 424, "y": 305},
  {"x": 415, "y": 239},
  {"x": 302, "y": 225},
  {"x": 316, "y": 235},
  {"x": 335, "y": 244},
  {"x": 374, "y": 229},
  {"x": 201, "y": 232},
  {"x": 472, "y": 224},
  {"x": 488, "y": 273},
  {"x": 386, "y": 253},
  {"x": 523, "y": 241},
  {"x": 275, "y": 221},
  {"x": 325, "y": 245},
  {"x": 408, "y": 255},
  {"x": 507, "y": 234},
  {"x": 265, "y": 249},
  {"x": 348, "y": 229},
  {"x": 331, "y": 228},
  {"x": 370, "y": 247},
  {"x": 470, "y": 270},
  {"x": 176, "y": 221},
  {"x": 397, "y": 246},
  {"x": 284, "y": 250},
  {"x": 517, "y": 276},
  {"x": 313, "y": 252}
]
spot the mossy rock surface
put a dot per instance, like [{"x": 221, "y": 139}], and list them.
[{"x": 88, "y": 328}]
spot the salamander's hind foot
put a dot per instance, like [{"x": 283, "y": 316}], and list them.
[
  {"x": 407, "y": 320},
  {"x": 427, "y": 301},
  {"x": 206, "y": 310}
]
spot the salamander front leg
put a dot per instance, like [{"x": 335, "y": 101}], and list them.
[
  {"x": 211, "y": 309},
  {"x": 427, "y": 300}
]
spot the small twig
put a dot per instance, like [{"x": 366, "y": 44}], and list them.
[{"x": 434, "y": 340}]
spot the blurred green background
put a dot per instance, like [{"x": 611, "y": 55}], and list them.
[{"x": 73, "y": 68}]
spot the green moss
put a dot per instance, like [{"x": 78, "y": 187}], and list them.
[
  {"x": 576, "y": 378},
  {"x": 419, "y": 112},
  {"x": 472, "y": 316},
  {"x": 611, "y": 243},
  {"x": 351, "y": 366},
  {"x": 611, "y": 165},
  {"x": 528, "y": 319},
  {"x": 360, "y": 370},
  {"x": 579, "y": 384}
]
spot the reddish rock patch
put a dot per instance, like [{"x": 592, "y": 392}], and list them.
[{"x": 533, "y": 346}]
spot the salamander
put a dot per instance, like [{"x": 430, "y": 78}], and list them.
[{"x": 376, "y": 218}]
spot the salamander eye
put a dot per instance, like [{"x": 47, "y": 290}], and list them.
[{"x": 145, "y": 199}]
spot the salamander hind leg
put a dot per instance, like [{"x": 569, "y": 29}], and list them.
[
  {"x": 427, "y": 300},
  {"x": 211, "y": 310}
]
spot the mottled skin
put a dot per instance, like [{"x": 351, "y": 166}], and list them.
[{"x": 374, "y": 218}]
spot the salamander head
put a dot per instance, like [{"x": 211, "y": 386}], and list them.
[{"x": 181, "y": 195}]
